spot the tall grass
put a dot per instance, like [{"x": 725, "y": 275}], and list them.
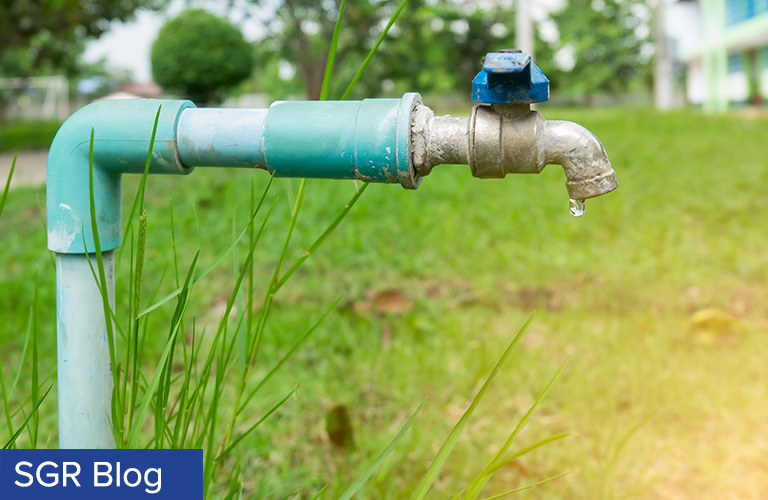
[
  {"x": 13, "y": 402},
  {"x": 184, "y": 396},
  {"x": 201, "y": 390}
]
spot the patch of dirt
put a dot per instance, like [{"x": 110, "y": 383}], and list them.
[{"x": 29, "y": 171}]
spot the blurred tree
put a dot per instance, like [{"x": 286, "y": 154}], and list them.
[
  {"x": 440, "y": 45},
  {"x": 436, "y": 45},
  {"x": 44, "y": 36},
  {"x": 201, "y": 56},
  {"x": 607, "y": 40},
  {"x": 300, "y": 33}
]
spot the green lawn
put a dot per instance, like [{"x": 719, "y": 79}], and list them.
[
  {"x": 437, "y": 281},
  {"x": 27, "y": 134}
]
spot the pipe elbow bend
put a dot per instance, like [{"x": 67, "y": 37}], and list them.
[
  {"x": 587, "y": 168},
  {"x": 122, "y": 130}
]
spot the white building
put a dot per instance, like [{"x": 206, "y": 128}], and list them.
[{"x": 724, "y": 47}]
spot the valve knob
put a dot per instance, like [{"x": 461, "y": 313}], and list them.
[{"x": 510, "y": 78}]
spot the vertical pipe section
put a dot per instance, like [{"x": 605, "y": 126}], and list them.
[
  {"x": 85, "y": 377},
  {"x": 121, "y": 130}
]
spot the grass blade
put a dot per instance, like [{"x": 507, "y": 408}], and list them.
[
  {"x": 320, "y": 493},
  {"x": 287, "y": 355},
  {"x": 254, "y": 426},
  {"x": 501, "y": 495},
  {"x": 538, "y": 444},
  {"x": 138, "y": 201},
  {"x": 291, "y": 226},
  {"x": 253, "y": 346},
  {"x": 147, "y": 399},
  {"x": 236, "y": 486},
  {"x": 8, "y": 184},
  {"x": 35, "y": 365},
  {"x": 326, "y": 88},
  {"x": 6, "y": 404},
  {"x": 27, "y": 341},
  {"x": 478, "y": 484},
  {"x": 216, "y": 261},
  {"x": 382, "y": 456},
  {"x": 375, "y": 48},
  {"x": 319, "y": 241},
  {"x": 442, "y": 455},
  {"x": 100, "y": 264},
  {"x": 173, "y": 245},
  {"x": 13, "y": 438}
]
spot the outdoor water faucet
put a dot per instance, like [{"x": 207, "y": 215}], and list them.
[
  {"x": 504, "y": 136},
  {"x": 373, "y": 140}
]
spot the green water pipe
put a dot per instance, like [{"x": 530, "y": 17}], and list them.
[
  {"x": 373, "y": 140},
  {"x": 366, "y": 140}
]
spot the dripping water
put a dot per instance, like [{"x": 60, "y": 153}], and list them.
[{"x": 577, "y": 207}]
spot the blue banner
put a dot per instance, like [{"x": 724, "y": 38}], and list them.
[{"x": 101, "y": 474}]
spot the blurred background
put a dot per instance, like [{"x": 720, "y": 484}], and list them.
[
  {"x": 657, "y": 296},
  {"x": 56, "y": 58}
]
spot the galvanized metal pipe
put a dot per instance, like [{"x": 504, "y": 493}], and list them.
[
  {"x": 588, "y": 171},
  {"x": 438, "y": 140},
  {"x": 511, "y": 139}
]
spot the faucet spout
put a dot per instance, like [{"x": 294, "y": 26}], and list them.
[
  {"x": 506, "y": 139},
  {"x": 587, "y": 168}
]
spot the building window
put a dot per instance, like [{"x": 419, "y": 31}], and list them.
[
  {"x": 731, "y": 14},
  {"x": 735, "y": 63},
  {"x": 737, "y": 11}
]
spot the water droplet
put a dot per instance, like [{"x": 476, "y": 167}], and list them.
[{"x": 577, "y": 207}]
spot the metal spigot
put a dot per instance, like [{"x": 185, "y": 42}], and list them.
[{"x": 503, "y": 135}]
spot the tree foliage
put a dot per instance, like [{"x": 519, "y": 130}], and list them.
[
  {"x": 299, "y": 34},
  {"x": 200, "y": 56},
  {"x": 436, "y": 45},
  {"x": 607, "y": 38},
  {"x": 440, "y": 45},
  {"x": 45, "y": 36}
]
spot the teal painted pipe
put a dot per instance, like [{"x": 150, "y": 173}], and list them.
[
  {"x": 367, "y": 140},
  {"x": 221, "y": 137},
  {"x": 122, "y": 130},
  {"x": 85, "y": 377}
]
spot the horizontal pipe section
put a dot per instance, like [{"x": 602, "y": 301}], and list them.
[
  {"x": 221, "y": 137},
  {"x": 369, "y": 140}
]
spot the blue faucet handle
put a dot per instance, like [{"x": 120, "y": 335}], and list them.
[{"x": 510, "y": 78}]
